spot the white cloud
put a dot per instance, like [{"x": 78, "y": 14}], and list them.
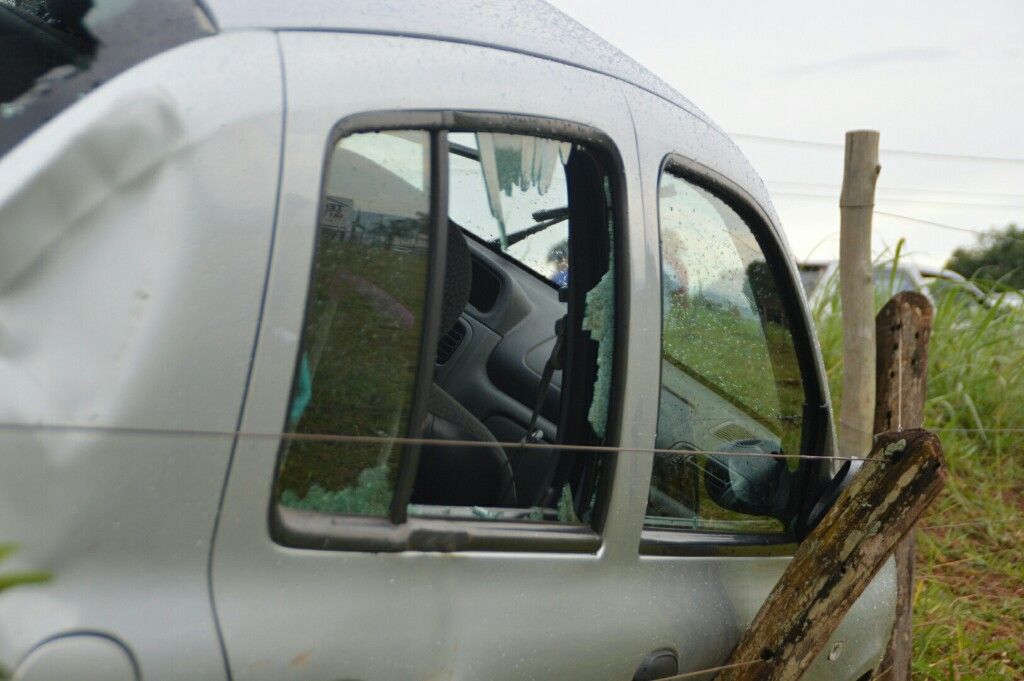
[{"x": 943, "y": 76}]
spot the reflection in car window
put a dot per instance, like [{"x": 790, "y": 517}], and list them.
[
  {"x": 501, "y": 185},
  {"x": 361, "y": 340},
  {"x": 730, "y": 378}
]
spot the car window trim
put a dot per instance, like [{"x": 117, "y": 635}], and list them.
[
  {"x": 324, "y": 531},
  {"x": 436, "y": 252},
  {"x": 690, "y": 542}
]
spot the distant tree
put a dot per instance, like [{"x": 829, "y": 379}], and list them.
[{"x": 999, "y": 255}]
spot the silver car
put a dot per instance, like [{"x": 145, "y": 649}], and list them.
[{"x": 381, "y": 341}]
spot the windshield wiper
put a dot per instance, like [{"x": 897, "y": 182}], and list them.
[{"x": 545, "y": 218}]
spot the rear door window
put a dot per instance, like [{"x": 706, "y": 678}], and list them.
[{"x": 372, "y": 431}]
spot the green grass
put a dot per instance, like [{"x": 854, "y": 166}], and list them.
[{"x": 969, "y": 598}]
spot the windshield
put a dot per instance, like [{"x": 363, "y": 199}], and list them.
[{"x": 510, "y": 191}]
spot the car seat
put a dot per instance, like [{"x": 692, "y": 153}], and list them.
[{"x": 477, "y": 475}]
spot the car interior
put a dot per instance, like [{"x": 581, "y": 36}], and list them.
[
  {"x": 526, "y": 326},
  {"x": 526, "y": 341},
  {"x": 499, "y": 375}
]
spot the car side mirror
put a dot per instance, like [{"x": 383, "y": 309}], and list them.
[
  {"x": 754, "y": 485},
  {"x": 840, "y": 481}
]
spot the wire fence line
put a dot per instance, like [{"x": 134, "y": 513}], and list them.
[
  {"x": 342, "y": 438},
  {"x": 896, "y": 199},
  {"x": 931, "y": 223},
  {"x": 951, "y": 429},
  {"x": 901, "y": 216},
  {"x": 87, "y": 429},
  {"x": 1009, "y": 160},
  {"x": 708, "y": 670},
  {"x": 834, "y": 190},
  {"x": 972, "y": 523}
]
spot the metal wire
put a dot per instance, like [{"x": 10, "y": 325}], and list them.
[
  {"x": 701, "y": 672},
  {"x": 972, "y": 523},
  {"x": 899, "y": 384},
  {"x": 884, "y": 150},
  {"x": 834, "y": 190},
  {"x": 376, "y": 439},
  {"x": 896, "y": 199},
  {"x": 882, "y": 673},
  {"x": 977, "y": 430}
]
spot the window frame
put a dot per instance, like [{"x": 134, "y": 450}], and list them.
[
  {"x": 397, "y": 532},
  {"x": 816, "y": 416}
]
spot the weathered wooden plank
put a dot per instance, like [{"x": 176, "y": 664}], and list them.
[
  {"x": 835, "y": 563},
  {"x": 903, "y": 328}
]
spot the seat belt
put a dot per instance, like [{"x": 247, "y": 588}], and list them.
[{"x": 555, "y": 361}]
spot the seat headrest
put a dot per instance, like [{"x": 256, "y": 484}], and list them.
[{"x": 458, "y": 278}]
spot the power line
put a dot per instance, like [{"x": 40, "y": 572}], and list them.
[
  {"x": 966, "y": 230},
  {"x": 901, "y": 152},
  {"x": 931, "y": 202},
  {"x": 835, "y": 189},
  {"x": 943, "y": 225}
]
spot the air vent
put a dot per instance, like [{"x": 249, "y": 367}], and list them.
[
  {"x": 450, "y": 342},
  {"x": 732, "y": 432}
]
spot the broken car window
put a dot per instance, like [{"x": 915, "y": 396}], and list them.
[
  {"x": 510, "y": 191},
  {"x": 361, "y": 340}
]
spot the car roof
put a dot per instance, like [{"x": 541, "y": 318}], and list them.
[
  {"x": 530, "y": 27},
  {"x": 940, "y": 273}
]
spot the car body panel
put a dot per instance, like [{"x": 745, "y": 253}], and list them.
[
  {"x": 132, "y": 271},
  {"x": 528, "y": 26},
  {"x": 467, "y": 615},
  {"x": 472, "y": 614},
  {"x": 154, "y": 264}
]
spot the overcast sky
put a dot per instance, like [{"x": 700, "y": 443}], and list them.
[{"x": 937, "y": 76}]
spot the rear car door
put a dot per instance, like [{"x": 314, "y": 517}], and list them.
[{"x": 330, "y": 561}]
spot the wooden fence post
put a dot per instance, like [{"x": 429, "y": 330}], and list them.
[
  {"x": 856, "y": 291},
  {"x": 903, "y": 327},
  {"x": 837, "y": 560}
]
